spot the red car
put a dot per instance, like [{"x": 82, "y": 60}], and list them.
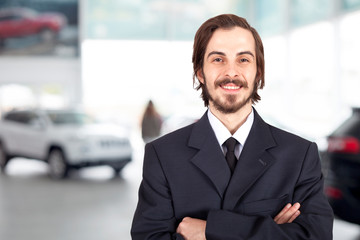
[{"x": 22, "y": 22}]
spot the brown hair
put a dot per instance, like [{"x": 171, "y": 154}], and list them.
[{"x": 202, "y": 38}]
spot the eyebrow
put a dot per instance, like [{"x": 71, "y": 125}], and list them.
[{"x": 223, "y": 54}]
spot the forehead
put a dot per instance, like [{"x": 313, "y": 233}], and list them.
[{"x": 233, "y": 39}]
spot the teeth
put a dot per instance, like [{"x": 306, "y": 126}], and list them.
[{"x": 231, "y": 87}]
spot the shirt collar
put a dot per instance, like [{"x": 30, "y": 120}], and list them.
[{"x": 222, "y": 133}]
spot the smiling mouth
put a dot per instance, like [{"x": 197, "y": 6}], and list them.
[
  {"x": 230, "y": 87},
  {"x": 228, "y": 84}
]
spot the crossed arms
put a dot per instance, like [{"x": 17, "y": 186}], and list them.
[{"x": 194, "y": 229}]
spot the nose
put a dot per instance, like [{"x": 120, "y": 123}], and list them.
[{"x": 231, "y": 70}]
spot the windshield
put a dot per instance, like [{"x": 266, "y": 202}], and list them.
[
  {"x": 70, "y": 118},
  {"x": 29, "y": 12}
]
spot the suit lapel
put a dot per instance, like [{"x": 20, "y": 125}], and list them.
[
  {"x": 210, "y": 158},
  {"x": 253, "y": 162}
]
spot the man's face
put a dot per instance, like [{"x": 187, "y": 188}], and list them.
[{"x": 229, "y": 69}]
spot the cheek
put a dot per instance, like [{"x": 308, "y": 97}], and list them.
[
  {"x": 213, "y": 73},
  {"x": 250, "y": 74}
]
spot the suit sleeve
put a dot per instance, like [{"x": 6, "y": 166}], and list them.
[
  {"x": 154, "y": 215},
  {"x": 315, "y": 221}
]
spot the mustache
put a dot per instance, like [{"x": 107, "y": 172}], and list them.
[{"x": 236, "y": 81}]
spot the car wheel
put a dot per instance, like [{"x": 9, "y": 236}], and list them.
[
  {"x": 117, "y": 170},
  {"x": 118, "y": 167},
  {"x": 57, "y": 164},
  {"x": 47, "y": 35},
  {"x": 4, "y": 158},
  {"x": 2, "y": 43}
]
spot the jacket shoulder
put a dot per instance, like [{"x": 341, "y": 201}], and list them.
[
  {"x": 284, "y": 136},
  {"x": 180, "y": 135}
]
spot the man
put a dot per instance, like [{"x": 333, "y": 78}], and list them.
[{"x": 198, "y": 186}]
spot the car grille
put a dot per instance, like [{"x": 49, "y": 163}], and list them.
[{"x": 112, "y": 143}]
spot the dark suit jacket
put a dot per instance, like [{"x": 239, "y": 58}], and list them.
[{"x": 185, "y": 174}]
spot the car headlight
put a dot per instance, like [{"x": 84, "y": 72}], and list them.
[{"x": 78, "y": 138}]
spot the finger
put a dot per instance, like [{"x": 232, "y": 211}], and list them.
[
  {"x": 293, "y": 217},
  {"x": 282, "y": 212},
  {"x": 181, "y": 225},
  {"x": 288, "y": 214}
]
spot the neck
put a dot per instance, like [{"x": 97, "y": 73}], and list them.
[{"x": 232, "y": 121}]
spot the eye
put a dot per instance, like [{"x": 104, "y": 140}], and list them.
[
  {"x": 244, "y": 60},
  {"x": 217, "y": 59}
]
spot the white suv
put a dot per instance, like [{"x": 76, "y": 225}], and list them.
[{"x": 65, "y": 139}]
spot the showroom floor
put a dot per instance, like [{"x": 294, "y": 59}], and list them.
[{"x": 91, "y": 204}]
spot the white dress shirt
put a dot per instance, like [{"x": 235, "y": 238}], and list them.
[{"x": 222, "y": 133}]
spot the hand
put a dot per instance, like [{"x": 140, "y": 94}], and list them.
[
  {"x": 192, "y": 229},
  {"x": 288, "y": 214}
]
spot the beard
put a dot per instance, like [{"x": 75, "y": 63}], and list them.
[{"x": 229, "y": 105}]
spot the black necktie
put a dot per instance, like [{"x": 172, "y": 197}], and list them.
[{"x": 230, "y": 155}]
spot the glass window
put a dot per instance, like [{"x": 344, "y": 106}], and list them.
[
  {"x": 11, "y": 117},
  {"x": 270, "y": 16},
  {"x": 244, "y": 9},
  {"x": 20, "y": 117},
  {"x": 350, "y": 4},
  {"x": 154, "y": 20},
  {"x": 305, "y": 12},
  {"x": 63, "y": 118}
]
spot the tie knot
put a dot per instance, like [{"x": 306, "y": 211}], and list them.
[{"x": 230, "y": 144}]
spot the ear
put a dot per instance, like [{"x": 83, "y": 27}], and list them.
[{"x": 200, "y": 76}]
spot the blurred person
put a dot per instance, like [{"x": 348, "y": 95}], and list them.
[
  {"x": 151, "y": 123},
  {"x": 231, "y": 175}
]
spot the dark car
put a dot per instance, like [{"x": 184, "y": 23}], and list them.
[
  {"x": 342, "y": 185},
  {"x": 22, "y": 22}
]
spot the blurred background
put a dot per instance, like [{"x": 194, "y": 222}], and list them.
[{"x": 109, "y": 58}]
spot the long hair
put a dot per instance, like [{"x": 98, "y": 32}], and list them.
[{"x": 202, "y": 38}]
